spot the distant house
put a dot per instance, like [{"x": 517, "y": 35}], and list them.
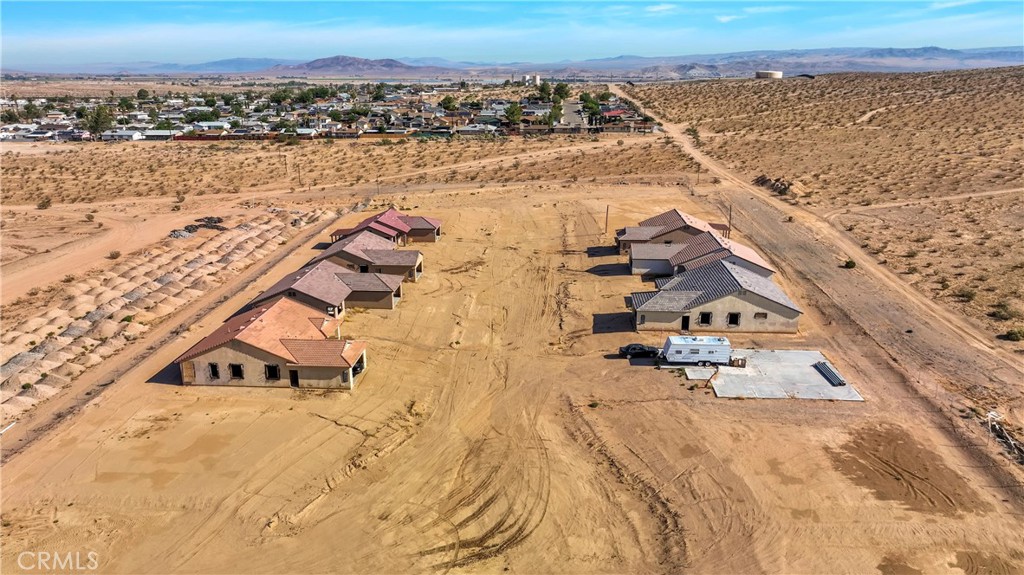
[
  {"x": 393, "y": 225},
  {"x": 720, "y": 296},
  {"x": 160, "y": 134},
  {"x": 671, "y": 227},
  {"x": 331, "y": 287},
  {"x": 422, "y": 228},
  {"x": 282, "y": 344},
  {"x": 652, "y": 259},
  {"x": 387, "y": 224},
  {"x": 368, "y": 253},
  {"x": 121, "y": 136}
]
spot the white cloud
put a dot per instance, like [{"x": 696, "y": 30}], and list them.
[
  {"x": 728, "y": 18},
  {"x": 659, "y": 8},
  {"x": 952, "y": 4},
  {"x": 767, "y": 9}
]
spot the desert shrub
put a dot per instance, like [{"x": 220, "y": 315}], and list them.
[
  {"x": 1003, "y": 312},
  {"x": 850, "y": 264},
  {"x": 113, "y": 255},
  {"x": 1015, "y": 334},
  {"x": 44, "y": 203},
  {"x": 965, "y": 294},
  {"x": 89, "y": 217}
]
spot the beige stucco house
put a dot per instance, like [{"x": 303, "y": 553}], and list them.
[
  {"x": 330, "y": 287},
  {"x": 671, "y": 227},
  {"x": 717, "y": 297},
  {"x": 365, "y": 252},
  {"x": 699, "y": 250},
  {"x": 283, "y": 343}
]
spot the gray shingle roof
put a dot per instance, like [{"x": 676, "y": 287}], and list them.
[
  {"x": 719, "y": 279},
  {"x": 393, "y": 257},
  {"x": 640, "y": 234},
  {"x": 370, "y": 282},
  {"x": 663, "y": 300},
  {"x": 318, "y": 280},
  {"x": 655, "y": 251},
  {"x": 353, "y": 246}
]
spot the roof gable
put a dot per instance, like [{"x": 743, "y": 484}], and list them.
[{"x": 264, "y": 328}]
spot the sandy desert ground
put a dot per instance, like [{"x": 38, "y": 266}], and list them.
[
  {"x": 495, "y": 430},
  {"x": 858, "y": 145}
]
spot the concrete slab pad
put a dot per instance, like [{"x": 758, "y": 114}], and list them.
[
  {"x": 703, "y": 373},
  {"x": 779, "y": 374}
]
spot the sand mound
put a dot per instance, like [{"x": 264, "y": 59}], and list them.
[
  {"x": 88, "y": 360},
  {"x": 104, "y": 329},
  {"x": 69, "y": 370},
  {"x": 55, "y": 313},
  {"x": 80, "y": 310},
  {"x": 32, "y": 324}
]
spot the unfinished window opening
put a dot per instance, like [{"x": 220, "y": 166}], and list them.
[
  {"x": 214, "y": 371},
  {"x": 733, "y": 319},
  {"x": 704, "y": 318},
  {"x": 643, "y": 319},
  {"x": 761, "y": 315},
  {"x": 364, "y": 269},
  {"x": 236, "y": 371},
  {"x": 273, "y": 371}
]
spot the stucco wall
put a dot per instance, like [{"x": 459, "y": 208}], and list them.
[
  {"x": 371, "y": 299},
  {"x": 658, "y": 321},
  {"x": 650, "y": 267},
  {"x": 422, "y": 236},
  {"x": 253, "y": 363},
  {"x": 780, "y": 318}
]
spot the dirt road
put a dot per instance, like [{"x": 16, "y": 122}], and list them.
[{"x": 882, "y": 304}]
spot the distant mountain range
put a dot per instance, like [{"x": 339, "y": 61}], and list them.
[{"x": 733, "y": 64}]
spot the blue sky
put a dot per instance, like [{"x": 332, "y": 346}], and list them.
[{"x": 42, "y": 35}]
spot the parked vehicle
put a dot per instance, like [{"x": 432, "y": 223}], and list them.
[
  {"x": 638, "y": 350},
  {"x": 697, "y": 349}
]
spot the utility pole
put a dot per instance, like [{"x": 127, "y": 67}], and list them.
[
  {"x": 728, "y": 232},
  {"x": 607, "y": 210}
]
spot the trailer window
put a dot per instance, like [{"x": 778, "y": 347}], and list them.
[
  {"x": 694, "y": 351},
  {"x": 733, "y": 319},
  {"x": 704, "y": 318},
  {"x": 678, "y": 351}
]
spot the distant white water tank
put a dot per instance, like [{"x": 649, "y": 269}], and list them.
[{"x": 768, "y": 74}]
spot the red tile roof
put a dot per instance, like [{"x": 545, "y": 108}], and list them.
[
  {"x": 274, "y": 328},
  {"x": 325, "y": 352}
]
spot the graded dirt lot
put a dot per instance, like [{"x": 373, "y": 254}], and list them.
[
  {"x": 495, "y": 428},
  {"x": 866, "y": 143}
]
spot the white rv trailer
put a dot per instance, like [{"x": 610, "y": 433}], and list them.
[{"x": 698, "y": 349}]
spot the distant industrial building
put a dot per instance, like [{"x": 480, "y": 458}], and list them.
[{"x": 773, "y": 74}]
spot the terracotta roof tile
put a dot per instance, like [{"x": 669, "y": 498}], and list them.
[{"x": 263, "y": 328}]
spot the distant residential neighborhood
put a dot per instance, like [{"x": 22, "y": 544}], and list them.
[{"x": 332, "y": 111}]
